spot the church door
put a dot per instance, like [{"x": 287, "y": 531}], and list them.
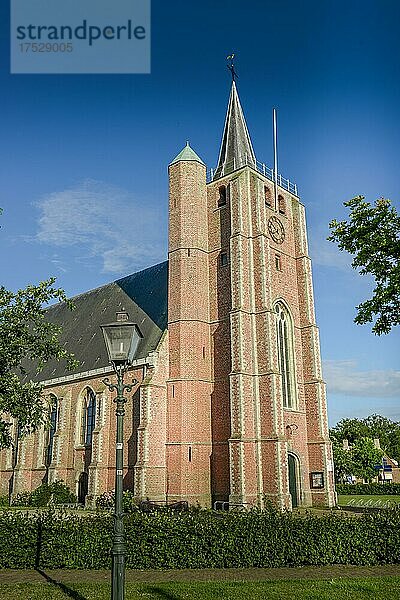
[
  {"x": 293, "y": 487},
  {"x": 83, "y": 487}
]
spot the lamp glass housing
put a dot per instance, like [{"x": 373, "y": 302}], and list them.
[{"x": 122, "y": 340}]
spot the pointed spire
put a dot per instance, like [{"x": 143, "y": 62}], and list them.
[
  {"x": 236, "y": 148},
  {"x": 187, "y": 154}
]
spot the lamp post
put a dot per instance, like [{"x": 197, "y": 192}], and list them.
[{"x": 121, "y": 339}]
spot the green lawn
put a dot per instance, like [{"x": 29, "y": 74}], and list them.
[
  {"x": 377, "y": 588},
  {"x": 365, "y": 501}
]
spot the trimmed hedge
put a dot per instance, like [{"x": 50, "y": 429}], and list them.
[
  {"x": 368, "y": 489},
  {"x": 200, "y": 540}
]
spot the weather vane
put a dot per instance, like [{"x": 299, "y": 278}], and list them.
[{"x": 231, "y": 66}]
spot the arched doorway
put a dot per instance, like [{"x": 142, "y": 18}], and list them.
[
  {"x": 83, "y": 482},
  {"x": 293, "y": 483}
]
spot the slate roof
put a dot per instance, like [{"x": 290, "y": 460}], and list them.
[
  {"x": 142, "y": 295},
  {"x": 236, "y": 147}
]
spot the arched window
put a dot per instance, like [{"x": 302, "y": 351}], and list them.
[
  {"x": 286, "y": 354},
  {"x": 88, "y": 417},
  {"x": 294, "y": 479},
  {"x": 281, "y": 204},
  {"x": 52, "y": 430},
  {"x": 222, "y": 195},
  {"x": 267, "y": 195}
]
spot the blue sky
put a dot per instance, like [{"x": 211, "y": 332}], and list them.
[{"x": 84, "y": 157}]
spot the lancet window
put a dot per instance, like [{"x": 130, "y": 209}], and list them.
[
  {"x": 88, "y": 416},
  {"x": 286, "y": 355}
]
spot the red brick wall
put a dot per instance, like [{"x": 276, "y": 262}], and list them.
[
  {"x": 188, "y": 437},
  {"x": 69, "y": 452},
  {"x": 244, "y": 297}
]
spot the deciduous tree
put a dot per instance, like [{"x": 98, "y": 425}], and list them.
[
  {"x": 375, "y": 427},
  {"x": 365, "y": 456},
  {"x": 343, "y": 462},
  {"x": 27, "y": 341},
  {"x": 372, "y": 236}
]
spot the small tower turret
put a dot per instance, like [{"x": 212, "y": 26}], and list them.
[{"x": 189, "y": 386}]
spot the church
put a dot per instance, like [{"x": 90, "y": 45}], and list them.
[{"x": 229, "y": 407}]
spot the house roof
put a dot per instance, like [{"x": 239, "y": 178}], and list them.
[{"x": 142, "y": 295}]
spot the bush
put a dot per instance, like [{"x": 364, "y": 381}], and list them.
[
  {"x": 3, "y": 500},
  {"x": 369, "y": 489},
  {"x": 107, "y": 501},
  {"x": 21, "y": 499},
  {"x": 40, "y": 496},
  {"x": 55, "y": 493},
  {"x": 201, "y": 539}
]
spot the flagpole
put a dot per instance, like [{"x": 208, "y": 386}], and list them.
[{"x": 275, "y": 158}]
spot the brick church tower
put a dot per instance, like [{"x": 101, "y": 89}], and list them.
[{"x": 246, "y": 407}]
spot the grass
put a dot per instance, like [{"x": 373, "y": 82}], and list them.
[
  {"x": 377, "y": 588},
  {"x": 366, "y": 501}
]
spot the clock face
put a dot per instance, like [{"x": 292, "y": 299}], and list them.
[{"x": 276, "y": 230}]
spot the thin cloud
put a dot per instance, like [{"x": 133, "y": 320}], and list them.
[
  {"x": 343, "y": 377},
  {"x": 326, "y": 254},
  {"x": 58, "y": 263},
  {"x": 105, "y": 222}
]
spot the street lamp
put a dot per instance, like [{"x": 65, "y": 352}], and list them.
[{"x": 122, "y": 339}]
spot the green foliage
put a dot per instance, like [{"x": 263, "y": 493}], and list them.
[
  {"x": 374, "y": 426},
  {"x": 364, "y": 457},
  {"x": 372, "y": 236},
  {"x": 52, "y": 493},
  {"x": 40, "y": 496},
  {"x": 359, "y": 460},
  {"x": 368, "y": 489},
  {"x": 202, "y": 539},
  {"x": 388, "y": 433},
  {"x": 3, "y": 500},
  {"x": 342, "y": 461},
  {"x": 350, "y": 430},
  {"x": 107, "y": 501},
  {"x": 21, "y": 499},
  {"x": 55, "y": 493},
  {"x": 27, "y": 341}
]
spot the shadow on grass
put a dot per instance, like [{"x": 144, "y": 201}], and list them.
[
  {"x": 160, "y": 593},
  {"x": 67, "y": 591}
]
